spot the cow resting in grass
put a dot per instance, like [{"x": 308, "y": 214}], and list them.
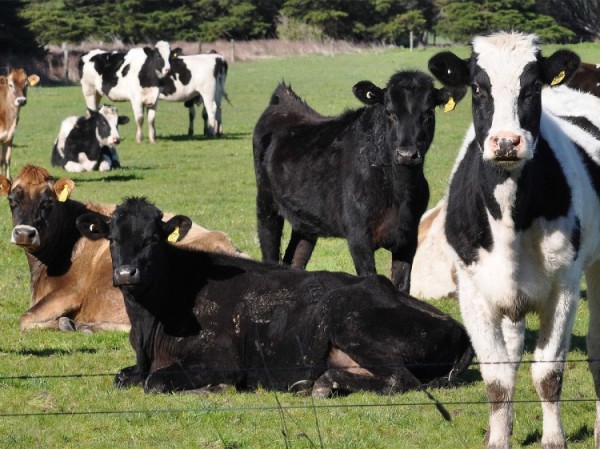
[
  {"x": 71, "y": 281},
  {"x": 523, "y": 218},
  {"x": 358, "y": 175},
  {"x": 136, "y": 75},
  {"x": 200, "y": 319},
  {"x": 197, "y": 79},
  {"x": 13, "y": 95},
  {"x": 89, "y": 143}
]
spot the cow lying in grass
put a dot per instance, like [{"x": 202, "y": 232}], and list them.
[
  {"x": 201, "y": 319},
  {"x": 71, "y": 285}
]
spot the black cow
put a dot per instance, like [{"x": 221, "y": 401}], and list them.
[
  {"x": 201, "y": 319},
  {"x": 358, "y": 175},
  {"x": 89, "y": 143}
]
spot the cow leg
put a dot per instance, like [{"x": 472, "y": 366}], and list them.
[
  {"x": 129, "y": 377},
  {"x": 553, "y": 341},
  {"x": 45, "y": 313},
  {"x": 192, "y": 115},
  {"x": 486, "y": 330},
  {"x": 3, "y": 160},
  {"x": 270, "y": 226},
  {"x": 210, "y": 107},
  {"x": 593, "y": 338},
  {"x": 299, "y": 250},
  {"x": 362, "y": 254},
  {"x": 400, "y": 275},
  {"x": 340, "y": 381},
  {"x": 151, "y": 124},
  {"x": 138, "y": 113}
]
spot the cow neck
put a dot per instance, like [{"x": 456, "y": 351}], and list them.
[
  {"x": 403, "y": 179},
  {"x": 56, "y": 254}
]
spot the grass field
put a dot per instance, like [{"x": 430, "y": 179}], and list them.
[{"x": 56, "y": 388}]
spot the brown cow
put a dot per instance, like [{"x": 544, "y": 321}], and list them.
[
  {"x": 71, "y": 277},
  {"x": 586, "y": 78},
  {"x": 13, "y": 95}
]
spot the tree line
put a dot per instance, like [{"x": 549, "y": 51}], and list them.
[{"x": 26, "y": 25}]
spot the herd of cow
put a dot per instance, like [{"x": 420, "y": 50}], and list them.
[{"x": 518, "y": 227}]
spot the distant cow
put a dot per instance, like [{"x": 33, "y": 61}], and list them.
[
  {"x": 586, "y": 78},
  {"x": 197, "y": 79},
  {"x": 89, "y": 143},
  {"x": 13, "y": 95},
  {"x": 358, "y": 175},
  {"x": 523, "y": 219},
  {"x": 71, "y": 281},
  {"x": 136, "y": 75},
  {"x": 201, "y": 319}
]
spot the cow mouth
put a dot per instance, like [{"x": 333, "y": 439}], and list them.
[{"x": 412, "y": 160}]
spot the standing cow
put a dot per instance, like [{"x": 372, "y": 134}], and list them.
[
  {"x": 13, "y": 95},
  {"x": 523, "y": 219},
  {"x": 201, "y": 319},
  {"x": 197, "y": 79},
  {"x": 136, "y": 75},
  {"x": 358, "y": 175},
  {"x": 89, "y": 143},
  {"x": 71, "y": 286}
]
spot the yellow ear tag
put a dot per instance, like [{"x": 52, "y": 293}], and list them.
[
  {"x": 64, "y": 194},
  {"x": 450, "y": 105},
  {"x": 558, "y": 78},
  {"x": 174, "y": 236}
]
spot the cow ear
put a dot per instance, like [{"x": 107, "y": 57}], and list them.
[
  {"x": 5, "y": 185},
  {"x": 33, "y": 80},
  {"x": 368, "y": 93},
  {"x": 63, "y": 189},
  {"x": 122, "y": 120},
  {"x": 177, "y": 228},
  {"x": 449, "y": 98},
  {"x": 92, "y": 225},
  {"x": 450, "y": 70},
  {"x": 558, "y": 68},
  {"x": 176, "y": 52}
]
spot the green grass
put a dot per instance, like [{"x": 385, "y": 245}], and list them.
[{"x": 70, "y": 401}]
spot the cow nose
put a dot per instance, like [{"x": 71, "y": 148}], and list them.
[
  {"x": 408, "y": 155},
  {"x": 505, "y": 145},
  {"x": 116, "y": 140},
  {"x": 24, "y": 235},
  {"x": 126, "y": 275},
  {"x": 20, "y": 101}
]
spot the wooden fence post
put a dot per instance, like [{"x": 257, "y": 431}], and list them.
[{"x": 65, "y": 50}]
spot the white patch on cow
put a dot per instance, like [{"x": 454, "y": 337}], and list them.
[
  {"x": 111, "y": 115},
  {"x": 164, "y": 49},
  {"x": 74, "y": 167},
  {"x": 66, "y": 127},
  {"x": 106, "y": 163},
  {"x": 493, "y": 53}
]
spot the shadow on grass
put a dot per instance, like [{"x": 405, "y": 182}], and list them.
[
  {"x": 49, "y": 352},
  {"x": 582, "y": 434},
  {"x": 110, "y": 178},
  {"x": 202, "y": 138}
]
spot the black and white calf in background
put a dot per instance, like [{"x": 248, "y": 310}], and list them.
[
  {"x": 198, "y": 79},
  {"x": 89, "y": 143},
  {"x": 136, "y": 75},
  {"x": 523, "y": 218},
  {"x": 358, "y": 175}
]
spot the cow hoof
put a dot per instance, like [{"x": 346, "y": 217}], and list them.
[
  {"x": 84, "y": 328},
  {"x": 302, "y": 387},
  {"x": 66, "y": 324},
  {"x": 322, "y": 392}
]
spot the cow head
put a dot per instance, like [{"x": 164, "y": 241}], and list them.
[
  {"x": 107, "y": 124},
  {"x": 137, "y": 235},
  {"x": 159, "y": 58},
  {"x": 406, "y": 112},
  {"x": 506, "y": 72},
  {"x": 16, "y": 84},
  {"x": 34, "y": 199}
]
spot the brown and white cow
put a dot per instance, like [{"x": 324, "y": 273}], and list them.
[
  {"x": 586, "y": 78},
  {"x": 13, "y": 95},
  {"x": 71, "y": 277}
]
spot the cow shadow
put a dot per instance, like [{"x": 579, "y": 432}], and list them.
[
  {"x": 202, "y": 138},
  {"x": 584, "y": 433},
  {"x": 110, "y": 178},
  {"x": 49, "y": 352}
]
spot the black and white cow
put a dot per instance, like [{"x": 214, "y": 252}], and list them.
[
  {"x": 201, "y": 319},
  {"x": 358, "y": 175},
  {"x": 523, "y": 218},
  {"x": 135, "y": 75},
  {"x": 89, "y": 143},
  {"x": 197, "y": 79}
]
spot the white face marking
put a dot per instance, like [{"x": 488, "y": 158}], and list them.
[
  {"x": 111, "y": 115},
  {"x": 504, "y": 56},
  {"x": 164, "y": 49}
]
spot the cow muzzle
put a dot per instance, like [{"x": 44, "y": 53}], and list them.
[
  {"x": 506, "y": 148},
  {"x": 25, "y": 236},
  {"x": 20, "y": 101},
  {"x": 408, "y": 156},
  {"x": 126, "y": 275}
]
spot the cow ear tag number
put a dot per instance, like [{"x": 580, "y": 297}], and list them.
[
  {"x": 174, "y": 236},
  {"x": 558, "y": 78},
  {"x": 64, "y": 194},
  {"x": 450, "y": 105}
]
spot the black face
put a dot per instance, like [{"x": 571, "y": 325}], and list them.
[{"x": 410, "y": 102}]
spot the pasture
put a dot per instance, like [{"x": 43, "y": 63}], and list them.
[{"x": 56, "y": 388}]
